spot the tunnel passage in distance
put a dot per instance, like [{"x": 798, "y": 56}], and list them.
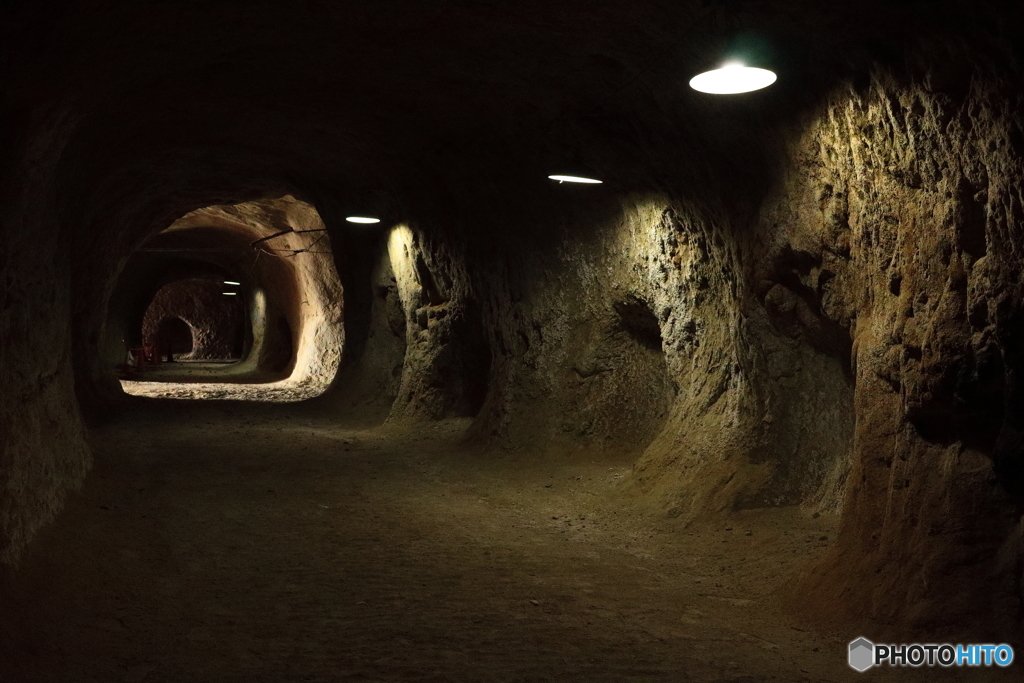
[
  {"x": 173, "y": 337},
  {"x": 256, "y": 283},
  {"x": 212, "y": 312}
]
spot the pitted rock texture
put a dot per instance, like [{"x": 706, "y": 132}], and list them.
[
  {"x": 808, "y": 296},
  {"x": 216, "y": 321},
  {"x": 906, "y": 196},
  {"x": 446, "y": 362}
]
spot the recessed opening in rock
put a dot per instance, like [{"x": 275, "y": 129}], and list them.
[
  {"x": 215, "y": 320},
  {"x": 431, "y": 415},
  {"x": 171, "y": 338}
]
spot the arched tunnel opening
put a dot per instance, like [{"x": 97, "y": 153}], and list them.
[
  {"x": 257, "y": 286},
  {"x": 215, "y": 324},
  {"x": 172, "y": 338},
  {"x": 476, "y": 341}
]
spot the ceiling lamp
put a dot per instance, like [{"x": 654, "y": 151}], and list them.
[
  {"x": 574, "y": 179},
  {"x": 230, "y": 293},
  {"x": 362, "y": 219},
  {"x": 732, "y": 79},
  {"x": 229, "y": 282}
]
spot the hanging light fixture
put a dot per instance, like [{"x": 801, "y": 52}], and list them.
[
  {"x": 745, "y": 63},
  {"x": 365, "y": 220},
  {"x": 575, "y": 179},
  {"x": 732, "y": 79}
]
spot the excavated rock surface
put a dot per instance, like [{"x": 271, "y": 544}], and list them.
[
  {"x": 217, "y": 322},
  {"x": 905, "y": 201},
  {"x": 806, "y": 297}
]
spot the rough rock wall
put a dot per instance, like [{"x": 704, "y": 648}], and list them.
[
  {"x": 625, "y": 323},
  {"x": 418, "y": 348},
  {"x": 906, "y": 194},
  {"x": 446, "y": 362},
  {"x": 546, "y": 348},
  {"x": 371, "y": 369},
  {"x": 217, "y": 321},
  {"x": 42, "y": 439},
  {"x": 628, "y": 326},
  {"x": 575, "y": 331},
  {"x": 853, "y": 346},
  {"x": 760, "y": 412}
]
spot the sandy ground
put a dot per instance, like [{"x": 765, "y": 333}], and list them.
[
  {"x": 224, "y": 381},
  {"x": 247, "y": 542}
]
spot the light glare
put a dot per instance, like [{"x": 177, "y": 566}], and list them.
[
  {"x": 362, "y": 219},
  {"x": 732, "y": 79},
  {"x": 574, "y": 179}
]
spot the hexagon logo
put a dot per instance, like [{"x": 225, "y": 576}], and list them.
[{"x": 862, "y": 654}]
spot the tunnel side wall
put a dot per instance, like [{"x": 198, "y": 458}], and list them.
[
  {"x": 43, "y": 451},
  {"x": 627, "y": 325},
  {"x": 907, "y": 192},
  {"x": 851, "y": 344},
  {"x": 446, "y": 360}
]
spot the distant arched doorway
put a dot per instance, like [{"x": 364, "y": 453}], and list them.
[
  {"x": 215, "y": 320},
  {"x": 173, "y": 338}
]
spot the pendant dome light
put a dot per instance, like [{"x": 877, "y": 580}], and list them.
[
  {"x": 575, "y": 179},
  {"x": 573, "y": 168},
  {"x": 732, "y": 79},
  {"x": 371, "y": 198},
  {"x": 744, "y": 66},
  {"x": 571, "y": 151}
]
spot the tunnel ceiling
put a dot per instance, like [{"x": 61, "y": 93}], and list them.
[{"x": 390, "y": 100}]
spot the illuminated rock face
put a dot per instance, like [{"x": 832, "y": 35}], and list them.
[
  {"x": 808, "y": 296},
  {"x": 891, "y": 225},
  {"x": 216, "y": 321}
]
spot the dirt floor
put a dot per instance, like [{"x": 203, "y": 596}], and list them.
[
  {"x": 218, "y": 380},
  {"x": 219, "y": 541}
]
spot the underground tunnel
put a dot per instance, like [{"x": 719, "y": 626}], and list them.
[
  {"x": 254, "y": 283},
  {"x": 476, "y": 341}
]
